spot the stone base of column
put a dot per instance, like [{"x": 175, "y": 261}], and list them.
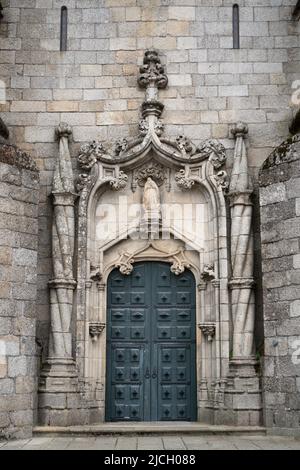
[
  {"x": 60, "y": 399},
  {"x": 242, "y": 395}
]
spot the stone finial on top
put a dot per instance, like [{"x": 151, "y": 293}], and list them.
[
  {"x": 63, "y": 130},
  {"x": 241, "y": 181},
  {"x": 240, "y": 129},
  {"x": 152, "y": 73},
  {"x": 152, "y": 77},
  {"x": 63, "y": 174}
]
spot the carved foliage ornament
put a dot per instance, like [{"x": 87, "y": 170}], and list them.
[
  {"x": 208, "y": 329},
  {"x": 144, "y": 127},
  {"x": 83, "y": 180},
  {"x": 154, "y": 171},
  {"x": 212, "y": 149},
  {"x": 120, "y": 182},
  {"x": 121, "y": 145},
  {"x": 184, "y": 144},
  {"x": 222, "y": 180},
  {"x": 89, "y": 154},
  {"x": 183, "y": 180},
  {"x": 95, "y": 329},
  {"x": 215, "y": 149},
  {"x": 208, "y": 273}
]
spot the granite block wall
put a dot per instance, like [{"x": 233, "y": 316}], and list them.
[
  {"x": 19, "y": 193},
  {"x": 280, "y": 233}
]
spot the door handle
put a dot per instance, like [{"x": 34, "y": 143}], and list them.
[
  {"x": 154, "y": 373},
  {"x": 147, "y": 375}
]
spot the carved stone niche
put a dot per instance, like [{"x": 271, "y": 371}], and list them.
[
  {"x": 95, "y": 330},
  {"x": 208, "y": 329}
]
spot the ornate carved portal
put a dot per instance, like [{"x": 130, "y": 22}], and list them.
[{"x": 132, "y": 185}]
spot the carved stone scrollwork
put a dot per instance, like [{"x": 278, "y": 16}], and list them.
[
  {"x": 222, "y": 180},
  {"x": 152, "y": 72},
  {"x": 95, "y": 274},
  {"x": 154, "y": 171},
  {"x": 120, "y": 182},
  {"x": 216, "y": 151},
  {"x": 178, "y": 259},
  {"x": 178, "y": 266},
  {"x": 208, "y": 273},
  {"x": 95, "y": 329},
  {"x": 183, "y": 180},
  {"x": 125, "y": 264},
  {"x": 208, "y": 329},
  {"x": 184, "y": 144},
  {"x": 121, "y": 145}
]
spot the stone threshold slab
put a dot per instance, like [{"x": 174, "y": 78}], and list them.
[{"x": 152, "y": 428}]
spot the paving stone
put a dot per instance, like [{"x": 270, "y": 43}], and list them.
[
  {"x": 126, "y": 443},
  {"x": 220, "y": 443},
  {"x": 150, "y": 443},
  {"x": 79, "y": 443},
  {"x": 105, "y": 443},
  {"x": 58, "y": 443},
  {"x": 176, "y": 442},
  {"x": 173, "y": 443}
]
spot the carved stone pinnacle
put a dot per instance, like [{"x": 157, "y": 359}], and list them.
[{"x": 152, "y": 73}]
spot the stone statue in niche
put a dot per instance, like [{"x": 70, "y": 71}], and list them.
[{"x": 151, "y": 200}]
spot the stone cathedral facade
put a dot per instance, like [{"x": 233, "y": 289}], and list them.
[{"x": 150, "y": 213}]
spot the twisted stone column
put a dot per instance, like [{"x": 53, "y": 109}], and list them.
[
  {"x": 242, "y": 394},
  {"x": 242, "y": 252},
  {"x": 58, "y": 380},
  {"x": 63, "y": 233}
]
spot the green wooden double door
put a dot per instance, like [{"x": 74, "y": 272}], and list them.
[{"x": 151, "y": 358}]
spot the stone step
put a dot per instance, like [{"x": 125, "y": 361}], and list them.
[{"x": 144, "y": 428}]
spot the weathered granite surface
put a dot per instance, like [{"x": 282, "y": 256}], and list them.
[
  {"x": 19, "y": 186},
  {"x": 280, "y": 233}
]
